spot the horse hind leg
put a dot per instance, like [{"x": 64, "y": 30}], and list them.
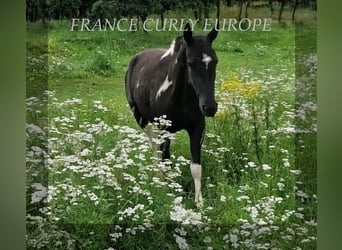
[
  {"x": 138, "y": 117},
  {"x": 143, "y": 123},
  {"x": 130, "y": 99}
]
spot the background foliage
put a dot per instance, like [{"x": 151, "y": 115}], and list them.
[{"x": 61, "y": 9}]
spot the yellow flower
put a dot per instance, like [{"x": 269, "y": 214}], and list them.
[
  {"x": 252, "y": 89},
  {"x": 220, "y": 114},
  {"x": 233, "y": 84},
  {"x": 51, "y": 44}
]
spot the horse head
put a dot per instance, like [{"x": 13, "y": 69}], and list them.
[{"x": 201, "y": 61}]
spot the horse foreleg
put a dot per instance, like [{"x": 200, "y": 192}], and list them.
[
  {"x": 165, "y": 149},
  {"x": 195, "y": 166},
  {"x": 196, "y": 172}
]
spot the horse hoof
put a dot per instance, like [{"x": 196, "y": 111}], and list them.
[
  {"x": 199, "y": 204},
  {"x": 199, "y": 201}
]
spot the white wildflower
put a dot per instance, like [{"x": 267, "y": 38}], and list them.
[
  {"x": 266, "y": 167},
  {"x": 286, "y": 162},
  {"x": 280, "y": 186},
  {"x": 181, "y": 242},
  {"x": 180, "y": 231},
  {"x": 178, "y": 200},
  {"x": 207, "y": 239},
  {"x": 39, "y": 194},
  {"x": 233, "y": 238},
  {"x": 242, "y": 197},
  {"x": 185, "y": 216},
  {"x": 264, "y": 184},
  {"x": 34, "y": 129},
  {"x": 251, "y": 164},
  {"x": 223, "y": 198},
  {"x": 296, "y": 171},
  {"x": 85, "y": 152}
]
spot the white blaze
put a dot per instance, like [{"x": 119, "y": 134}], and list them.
[
  {"x": 170, "y": 50},
  {"x": 206, "y": 59},
  {"x": 196, "y": 172},
  {"x": 166, "y": 84}
]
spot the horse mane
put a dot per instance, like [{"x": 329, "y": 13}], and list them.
[{"x": 179, "y": 42}]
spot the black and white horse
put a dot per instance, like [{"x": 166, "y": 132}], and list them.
[{"x": 178, "y": 83}]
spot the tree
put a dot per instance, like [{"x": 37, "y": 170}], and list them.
[
  {"x": 85, "y": 7},
  {"x": 295, "y": 5},
  {"x": 218, "y": 3},
  {"x": 36, "y": 9},
  {"x": 229, "y": 3},
  {"x": 282, "y": 4},
  {"x": 243, "y": 3},
  {"x": 106, "y": 9},
  {"x": 161, "y": 6},
  {"x": 271, "y": 5}
]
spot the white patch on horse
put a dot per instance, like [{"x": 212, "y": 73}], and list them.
[
  {"x": 165, "y": 85},
  {"x": 206, "y": 59},
  {"x": 196, "y": 172},
  {"x": 170, "y": 50},
  {"x": 140, "y": 72}
]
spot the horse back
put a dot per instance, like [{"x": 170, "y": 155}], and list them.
[{"x": 145, "y": 75}]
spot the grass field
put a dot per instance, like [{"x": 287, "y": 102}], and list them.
[{"x": 93, "y": 181}]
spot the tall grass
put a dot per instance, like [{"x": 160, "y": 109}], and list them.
[{"x": 94, "y": 182}]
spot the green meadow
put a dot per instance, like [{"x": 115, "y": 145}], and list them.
[{"x": 95, "y": 182}]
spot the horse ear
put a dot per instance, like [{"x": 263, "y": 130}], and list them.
[
  {"x": 187, "y": 34},
  {"x": 213, "y": 33}
]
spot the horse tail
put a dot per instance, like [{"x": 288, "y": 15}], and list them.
[
  {"x": 129, "y": 95},
  {"x": 128, "y": 88}
]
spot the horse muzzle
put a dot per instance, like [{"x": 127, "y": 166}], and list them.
[{"x": 209, "y": 110}]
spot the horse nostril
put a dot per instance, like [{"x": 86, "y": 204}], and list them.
[
  {"x": 203, "y": 109},
  {"x": 209, "y": 110}
]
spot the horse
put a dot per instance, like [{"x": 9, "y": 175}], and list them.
[{"x": 177, "y": 83}]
